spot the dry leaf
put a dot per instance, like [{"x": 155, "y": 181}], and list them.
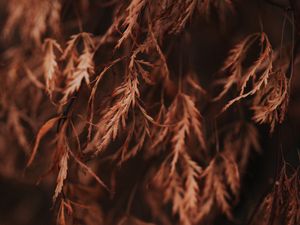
[{"x": 42, "y": 132}]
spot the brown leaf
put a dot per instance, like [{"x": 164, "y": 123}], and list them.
[
  {"x": 42, "y": 132},
  {"x": 62, "y": 174}
]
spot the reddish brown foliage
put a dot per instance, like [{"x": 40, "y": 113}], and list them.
[{"x": 136, "y": 134}]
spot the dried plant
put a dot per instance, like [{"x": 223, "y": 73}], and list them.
[
  {"x": 32, "y": 28},
  {"x": 269, "y": 87},
  {"x": 179, "y": 174},
  {"x": 221, "y": 177},
  {"x": 270, "y": 104},
  {"x": 281, "y": 205},
  {"x": 127, "y": 95},
  {"x": 237, "y": 77},
  {"x": 50, "y": 64},
  {"x": 79, "y": 66},
  {"x": 106, "y": 105}
]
